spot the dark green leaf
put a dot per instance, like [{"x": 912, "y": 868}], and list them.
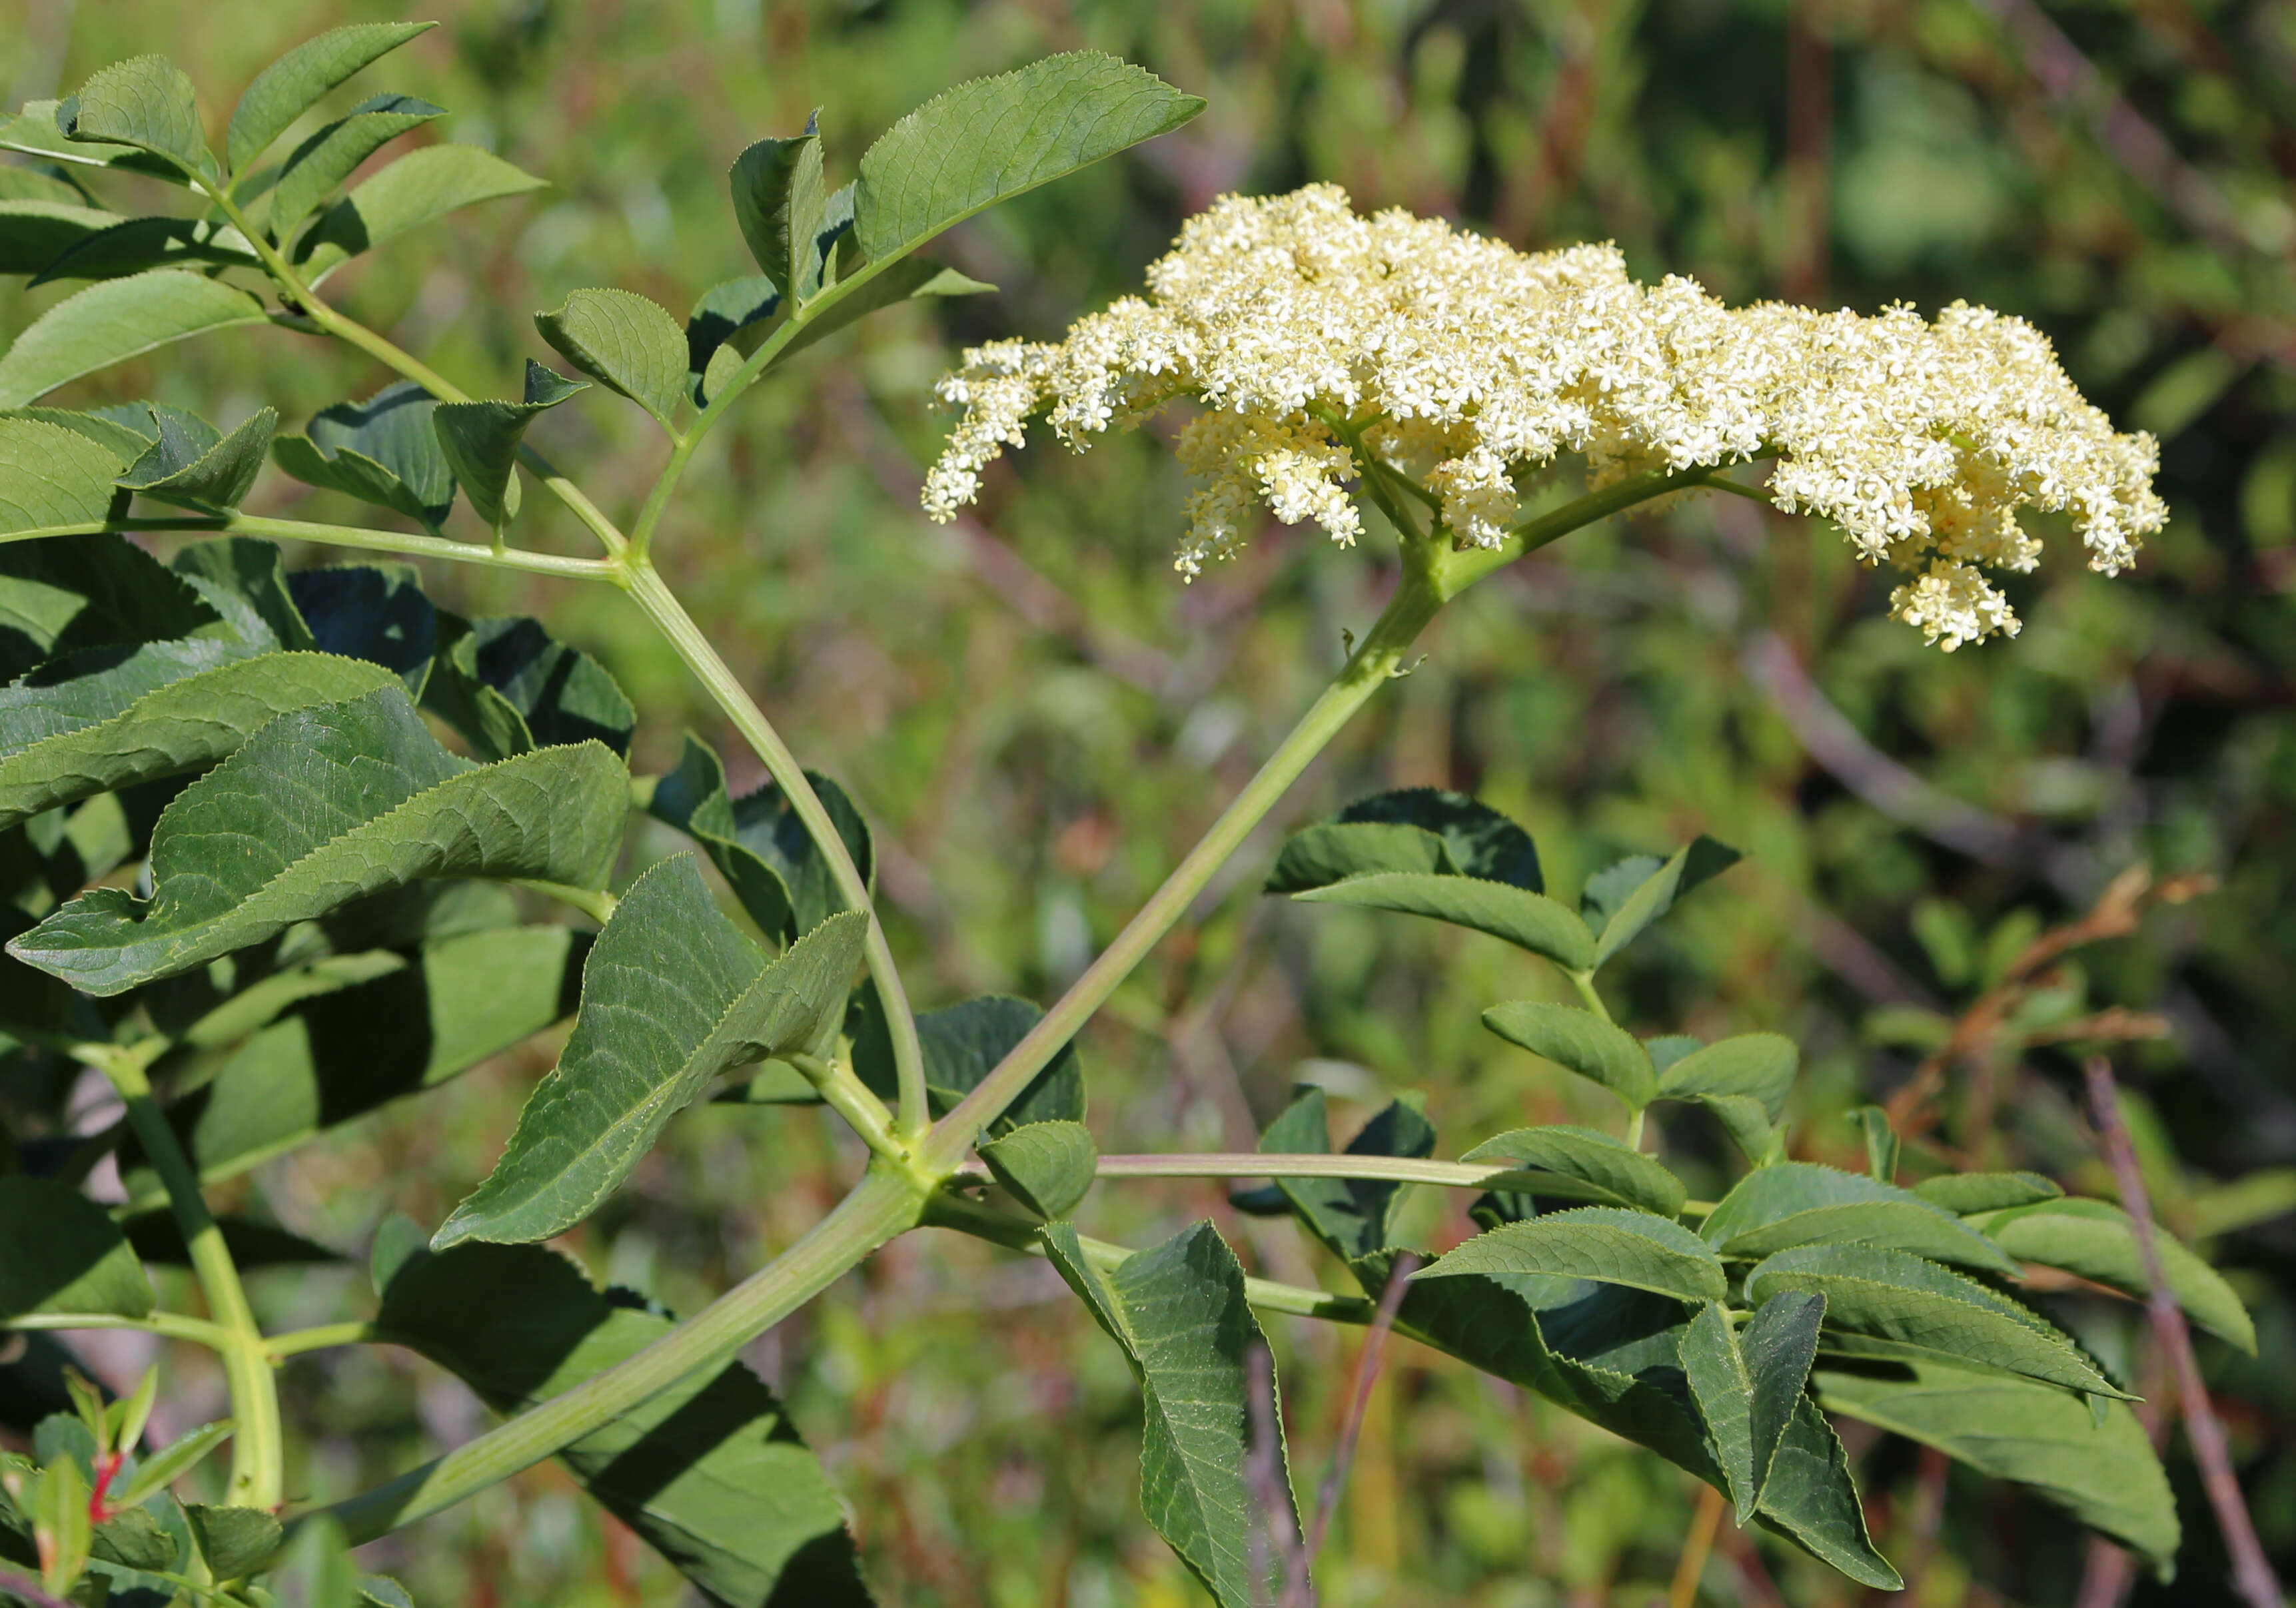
[
  {"x": 2097, "y": 1241},
  {"x": 961, "y": 1043},
  {"x": 235, "y": 1541},
  {"x": 1880, "y": 1142},
  {"x": 710, "y": 1472},
  {"x": 114, "y": 319},
  {"x": 758, "y": 842},
  {"x": 297, "y": 81},
  {"x": 1607, "y": 889},
  {"x": 1651, "y": 897},
  {"x": 49, "y": 477},
  {"x": 218, "y": 475},
  {"x": 134, "y": 1539},
  {"x": 1482, "y": 842},
  {"x": 1749, "y": 1388},
  {"x": 243, "y": 580},
  {"x": 376, "y": 803},
  {"x": 34, "y": 232},
  {"x": 672, "y": 999},
  {"x": 381, "y": 451},
  {"x": 1581, "y": 1041},
  {"x": 727, "y": 325},
  {"x": 1968, "y": 1193},
  {"x": 509, "y": 686},
  {"x": 777, "y": 194},
  {"x": 1811, "y": 1499},
  {"x": 145, "y": 102},
  {"x": 1744, "y": 1080},
  {"x": 1804, "y": 1204},
  {"x": 984, "y": 141},
  {"x": 1579, "y": 1163},
  {"x": 329, "y": 157},
  {"x": 376, "y": 612},
  {"x": 159, "y": 1241},
  {"x": 1179, "y": 1313},
  {"x": 1530, "y": 921},
  {"x": 1352, "y": 1216},
  {"x": 631, "y": 345},
  {"x": 1048, "y": 1167},
  {"x": 2105, "y": 1475},
  {"x": 1890, "y": 1304},
  {"x": 1604, "y": 1243},
  {"x": 133, "y": 245},
  {"x": 420, "y": 187},
  {"x": 480, "y": 440},
  {"x": 914, "y": 278},
  {"x": 60, "y": 1252},
  {"x": 1318, "y": 856}
]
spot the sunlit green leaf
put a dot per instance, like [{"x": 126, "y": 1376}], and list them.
[
  {"x": 777, "y": 194},
  {"x": 1581, "y": 1040},
  {"x": 1580, "y": 1164},
  {"x": 631, "y": 345},
  {"x": 418, "y": 188},
  {"x": 1530, "y": 921},
  {"x": 1966, "y": 1194},
  {"x": 1047, "y": 1167},
  {"x": 203, "y": 470},
  {"x": 1604, "y": 1243},
  {"x": 1802, "y": 1203},
  {"x": 146, "y": 102},
  {"x": 297, "y": 81},
  {"x": 320, "y": 164},
  {"x": 2097, "y": 1240}
]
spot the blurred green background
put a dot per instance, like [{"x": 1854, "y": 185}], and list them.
[{"x": 1039, "y": 718}]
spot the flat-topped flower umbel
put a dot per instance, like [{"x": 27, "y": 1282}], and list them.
[{"x": 1467, "y": 366}]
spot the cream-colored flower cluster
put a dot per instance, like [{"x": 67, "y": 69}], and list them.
[{"x": 1467, "y": 366}]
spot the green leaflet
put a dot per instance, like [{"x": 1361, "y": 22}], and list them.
[
  {"x": 1528, "y": 920},
  {"x": 132, "y": 244},
  {"x": 1890, "y": 1304},
  {"x": 1332, "y": 852},
  {"x": 1743, "y": 1079},
  {"x": 1179, "y": 1311},
  {"x": 1580, "y": 1164},
  {"x": 915, "y": 279},
  {"x": 297, "y": 81},
  {"x": 245, "y": 581},
  {"x": 320, "y": 164},
  {"x": 480, "y": 440},
  {"x": 200, "y": 467},
  {"x": 672, "y": 997},
  {"x": 1603, "y": 1244},
  {"x": 146, "y": 102},
  {"x": 418, "y": 188},
  {"x": 1048, "y": 1167},
  {"x": 1748, "y": 1389},
  {"x": 984, "y": 141},
  {"x": 1966, "y": 1194},
  {"x": 103, "y": 720},
  {"x": 50, "y": 475},
  {"x": 758, "y": 842},
  {"x": 2105, "y": 1475},
  {"x": 381, "y": 451},
  {"x": 777, "y": 195},
  {"x": 1810, "y": 1499},
  {"x": 2097, "y": 1240},
  {"x": 60, "y": 1252},
  {"x": 1801, "y": 1203},
  {"x": 19, "y": 182},
  {"x": 376, "y": 803},
  {"x": 233, "y": 1540},
  {"x": 1882, "y": 1146},
  {"x": 315, "y": 1569},
  {"x": 375, "y": 612},
  {"x": 631, "y": 345},
  {"x": 961, "y": 1043},
  {"x": 710, "y": 1472},
  {"x": 114, "y": 319},
  {"x": 1581, "y": 1041},
  {"x": 1479, "y": 841},
  {"x": 367, "y": 1029},
  {"x": 1628, "y": 897},
  {"x": 725, "y": 325},
  {"x": 1352, "y": 1216},
  {"x": 34, "y": 232},
  {"x": 34, "y": 132},
  {"x": 509, "y": 686}
]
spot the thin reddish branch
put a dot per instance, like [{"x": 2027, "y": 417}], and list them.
[
  {"x": 1367, "y": 1374},
  {"x": 2252, "y": 1571}
]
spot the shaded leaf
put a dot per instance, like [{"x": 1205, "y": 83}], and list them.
[
  {"x": 1483, "y": 843},
  {"x": 1749, "y": 1388},
  {"x": 245, "y": 581},
  {"x": 758, "y": 842},
  {"x": 320, "y": 164},
  {"x": 60, "y": 1252},
  {"x": 218, "y": 475},
  {"x": 914, "y": 278},
  {"x": 961, "y": 1043},
  {"x": 2097, "y": 1240},
  {"x": 133, "y": 1539},
  {"x": 1743, "y": 1080},
  {"x": 376, "y": 803},
  {"x": 376, "y": 612},
  {"x": 1580, "y": 1041},
  {"x": 35, "y": 132},
  {"x": 1048, "y": 1167},
  {"x": 481, "y": 439},
  {"x": 673, "y": 996},
  {"x": 417, "y": 189},
  {"x": 1179, "y": 1311},
  {"x": 235, "y": 1541},
  {"x": 1969, "y": 1193},
  {"x": 631, "y": 345},
  {"x": 1351, "y": 1216},
  {"x": 509, "y": 686},
  {"x": 1530, "y": 920},
  {"x": 991, "y": 138},
  {"x": 252, "y": 1243},
  {"x": 1580, "y": 1164},
  {"x": 1890, "y": 1304},
  {"x": 146, "y": 102},
  {"x": 1604, "y": 1243},
  {"x": 114, "y": 319},
  {"x": 1802, "y": 1203},
  {"x": 35, "y": 232},
  {"x": 299, "y": 80},
  {"x": 727, "y": 323},
  {"x": 1651, "y": 897},
  {"x": 710, "y": 1471},
  {"x": 1319, "y": 855},
  {"x": 381, "y": 451},
  {"x": 1810, "y": 1499},
  {"x": 777, "y": 195},
  {"x": 132, "y": 244},
  {"x": 50, "y": 475},
  {"x": 2105, "y": 1475},
  {"x": 19, "y": 182}
]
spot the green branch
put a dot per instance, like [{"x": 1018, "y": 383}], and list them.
[
  {"x": 336, "y": 536},
  {"x": 168, "y": 1326}
]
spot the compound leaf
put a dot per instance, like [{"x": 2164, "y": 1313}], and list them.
[
  {"x": 1580, "y": 1164},
  {"x": 673, "y": 996},
  {"x": 991, "y": 138},
  {"x": 1581, "y": 1041},
  {"x": 1801, "y": 1203},
  {"x": 1603, "y": 1244},
  {"x": 2097, "y": 1240},
  {"x": 1048, "y": 1167},
  {"x": 297, "y": 81},
  {"x": 631, "y": 345},
  {"x": 60, "y": 1252},
  {"x": 1179, "y": 1311},
  {"x": 114, "y": 319},
  {"x": 145, "y": 102},
  {"x": 322, "y": 807},
  {"x": 1528, "y": 920},
  {"x": 418, "y": 188}
]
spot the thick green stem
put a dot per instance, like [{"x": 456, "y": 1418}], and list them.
[
  {"x": 1256, "y": 1163},
  {"x": 337, "y": 535},
  {"x": 295, "y": 1341},
  {"x": 596, "y": 903},
  {"x": 670, "y": 618},
  {"x": 258, "y": 1445},
  {"x": 169, "y": 1326},
  {"x": 886, "y": 1204}
]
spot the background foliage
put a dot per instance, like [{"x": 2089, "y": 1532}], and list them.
[{"x": 1039, "y": 718}]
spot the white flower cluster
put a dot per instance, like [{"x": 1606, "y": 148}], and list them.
[{"x": 1467, "y": 365}]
